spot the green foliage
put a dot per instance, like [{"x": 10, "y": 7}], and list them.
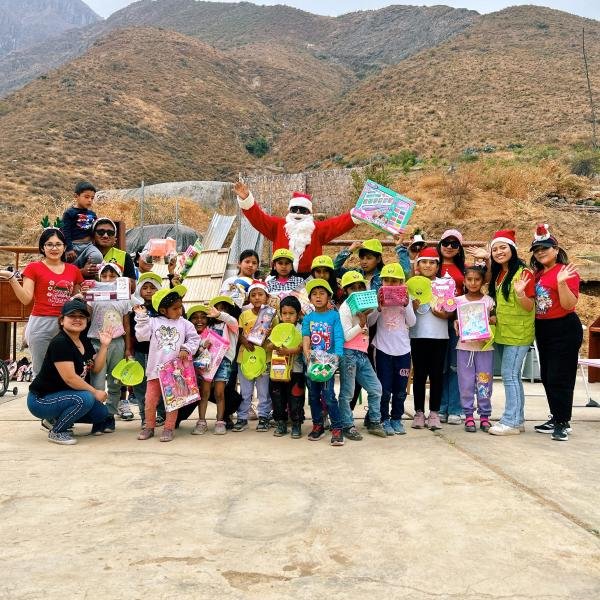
[
  {"x": 406, "y": 159},
  {"x": 375, "y": 172},
  {"x": 258, "y": 146},
  {"x": 585, "y": 163}
]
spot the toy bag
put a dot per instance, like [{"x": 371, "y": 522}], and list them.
[
  {"x": 444, "y": 290},
  {"x": 178, "y": 383},
  {"x": 321, "y": 366},
  {"x": 473, "y": 322},
  {"x": 383, "y": 209},
  {"x": 210, "y": 357},
  {"x": 258, "y": 333}
]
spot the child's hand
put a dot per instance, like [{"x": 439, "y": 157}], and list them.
[
  {"x": 172, "y": 264},
  {"x": 355, "y": 246},
  {"x": 213, "y": 313},
  {"x": 362, "y": 319},
  {"x": 307, "y": 357},
  {"x": 140, "y": 309},
  {"x": 87, "y": 285},
  {"x": 183, "y": 354},
  {"x": 493, "y": 320},
  {"x": 248, "y": 345},
  {"x": 241, "y": 190},
  {"x": 105, "y": 336},
  {"x": 70, "y": 255},
  {"x": 416, "y": 303},
  {"x": 90, "y": 270}
]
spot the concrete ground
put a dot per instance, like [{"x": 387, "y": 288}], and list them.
[{"x": 421, "y": 516}]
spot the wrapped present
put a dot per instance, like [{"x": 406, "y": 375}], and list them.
[
  {"x": 384, "y": 209},
  {"x": 393, "y": 295},
  {"x": 444, "y": 290},
  {"x": 321, "y": 366},
  {"x": 473, "y": 322},
  {"x": 258, "y": 333},
  {"x": 214, "y": 349},
  {"x": 178, "y": 383},
  {"x": 160, "y": 247}
]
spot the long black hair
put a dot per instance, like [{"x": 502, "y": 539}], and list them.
[
  {"x": 380, "y": 263},
  {"x": 514, "y": 264},
  {"x": 245, "y": 254},
  {"x": 333, "y": 282},
  {"x": 561, "y": 259},
  {"x": 458, "y": 259},
  {"x": 49, "y": 233}
]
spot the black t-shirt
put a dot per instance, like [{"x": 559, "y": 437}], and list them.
[
  {"x": 129, "y": 268},
  {"x": 62, "y": 349}
]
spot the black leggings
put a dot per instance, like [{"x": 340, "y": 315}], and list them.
[
  {"x": 558, "y": 342},
  {"x": 288, "y": 396},
  {"x": 428, "y": 358}
]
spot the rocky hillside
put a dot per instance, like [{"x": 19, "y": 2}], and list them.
[
  {"x": 359, "y": 43},
  {"x": 515, "y": 76},
  {"x": 27, "y": 23}
]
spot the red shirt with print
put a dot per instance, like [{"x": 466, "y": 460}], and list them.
[
  {"x": 547, "y": 302},
  {"x": 456, "y": 274},
  {"x": 51, "y": 290}
]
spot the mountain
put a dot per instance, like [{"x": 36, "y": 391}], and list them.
[
  {"x": 141, "y": 104},
  {"x": 515, "y": 76},
  {"x": 359, "y": 43},
  {"x": 27, "y": 23}
]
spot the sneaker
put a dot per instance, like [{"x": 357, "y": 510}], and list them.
[
  {"x": 387, "y": 427},
  {"x": 145, "y": 434},
  {"x": 560, "y": 432},
  {"x": 64, "y": 438},
  {"x": 454, "y": 420},
  {"x": 470, "y": 424},
  {"x": 201, "y": 427},
  {"x": 280, "y": 429},
  {"x": 418, "y": 420},
  {"x": 317, "y": 433},
  {"x": 229, "y": 424},
  {"x": 398, "y": 426},
  {"x": 109, "y": 424},
  {"x": 296, "y": 431},
  {"x": 263, "y": 424},
  {"x": 337, "y": 437},
  {"x": 167, "y": 435},
  {"x": 351, "y": 433},
  {"x": 501, "y": 429},
  {"x": 484, "y": 424},
  {"x": 547, "y": 427},
  {"x": 377, "y": 429},
  {"x": 220, "y": 428},
  {"x": 433, "y": 421},
  {"x": 240, "y": 425},
  {"x": 47, "y": 424},
  {"x": 97, "y": 428},
  {"x": 124, "y": 410},
  {"x": 443, "y": 417}
]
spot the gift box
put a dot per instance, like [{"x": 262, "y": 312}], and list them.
[
  {"x": 216, "y": 346},
  {"x": 178, "y": 383},
  {"x": 393, "y": 295},
  {"x": 473, "y": 322},
  {"x": 259, "y": 331},
  {"x": 188, "y": 259},
  {"x": 444, "y": 290},
  {"x": 160, "y": 248}
]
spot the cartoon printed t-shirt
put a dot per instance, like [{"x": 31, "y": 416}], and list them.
[
  {"x": 51, "y": 290},
  {"x": 325, "y": 331},
  {"x": 108, "y": 314},
  {"x": 547, "y": 302}
]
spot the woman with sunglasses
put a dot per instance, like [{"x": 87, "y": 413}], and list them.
[
  {"x": 558, "y": 330},
  {"x": 452, "y": 263},
  {"x": 49, "y": 283}
]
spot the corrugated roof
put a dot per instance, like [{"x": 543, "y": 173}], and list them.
[
  {"x": 217, "y": 232},
  {"x": 251, "y": 239}
]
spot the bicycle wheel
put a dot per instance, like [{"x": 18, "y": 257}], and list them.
[{"x": 4, "y": 378}]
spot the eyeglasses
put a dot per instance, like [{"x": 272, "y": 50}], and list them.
[
  {"x": 451, "y": 243},
  {"x": 105, "y": 233},
  {"x": 300, "y": 210},
  {"x": 51, "y": 246}
]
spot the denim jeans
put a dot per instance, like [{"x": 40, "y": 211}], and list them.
[
  {"x": 393, "y": 373},
  {"x": 512, "y": 358},
  {"x": 262, "y": 395},
  {"x": 451, "y": 404},
  {"x": 356, "y": 367},
  {"x": 67, "y": 407},
  {"x": 316, "y": 390}
]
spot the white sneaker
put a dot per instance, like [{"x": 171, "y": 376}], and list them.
[
  {"x": 501, "y": 429},
  {"x": 454, "y": 420},
  {"x": 124, "y": 410}
]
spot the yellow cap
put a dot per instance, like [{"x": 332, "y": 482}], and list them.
[
  {"x": 392, "y": 270},
  {"x": 372, "y": 245},
  {"x": 314, "y": 283},
  {"x": 322, "y": 261},
  {"x": 197, "y": 308},
  {"x": 227, "y": 299},
  {"x": 283, "y": 253},
  {"x": 180, "y": 290},
  {"x": 150, "y": 276},
  {"x": 350, "y": 277}
]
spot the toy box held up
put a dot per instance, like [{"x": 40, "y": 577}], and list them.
[
  {"x": 384, "y": 209},
  {"x": 473, "y": 322},
  {"x": 214, "y": 349}
]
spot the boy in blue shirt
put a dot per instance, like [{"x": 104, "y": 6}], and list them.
[{"x": 322, "y": 330}]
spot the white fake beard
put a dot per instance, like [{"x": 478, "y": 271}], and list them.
[{"x": 299, "y": 233}]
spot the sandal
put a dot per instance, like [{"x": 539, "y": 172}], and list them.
[
  {"x": 145, "y": 434},
  {"x": 167, "y": 435},
  {"x": 484, "y": 424},
  {"x": 470, "y": 425}
]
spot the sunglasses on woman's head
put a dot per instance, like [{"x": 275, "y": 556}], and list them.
[
  {"x": 300, "y": 210},
  {"x": 105, "y": 232},
  {"x": 451, "y": 243}
]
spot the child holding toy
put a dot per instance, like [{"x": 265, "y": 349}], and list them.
[
  {"x": 258, "y": 298},
  {"x": 392, "y": 351},
  {"x": 247, "y": 271},
  {"x": 170, "y": 336},
  {"x": 322, "y": 331},
  {"x": 288, "y": 396},
  {"x": 475, "y": 360},
  {"x": 370, "y": 256},
  {"x": 428, "y": 344}
]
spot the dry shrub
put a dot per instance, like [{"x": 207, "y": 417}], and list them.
[{"x": 432, "y": 182}]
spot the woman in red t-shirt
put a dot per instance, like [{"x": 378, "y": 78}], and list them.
[
  {"x": 558, "y": 330},
  {"x": 49, "y": 283}
]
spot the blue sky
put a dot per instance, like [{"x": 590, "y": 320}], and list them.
[{"x": 584, "y": 8}]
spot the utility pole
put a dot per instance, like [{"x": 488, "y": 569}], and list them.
[{"x": 587, "y": 76}]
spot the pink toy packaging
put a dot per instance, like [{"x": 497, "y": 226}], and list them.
[
  {"x": 444, "y": 290},
  {"x": 473, "y": 322},
  {"x": 211, "y": 357},
  {"x": 265, "y": 317},
  {"x": 393, "y": 295},
  {"x": 178, "y": 383}
]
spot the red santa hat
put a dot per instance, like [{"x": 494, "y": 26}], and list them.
[
  {"x": 507, "y": 236},
  {"x": 429, "y": 253},
  {"x": 543, "y": 238},
  {"x": 301, "y": 199},
  {"x": 258, "y": 284}
]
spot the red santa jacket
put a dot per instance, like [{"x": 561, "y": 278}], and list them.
[{"x": 273, "y": 228}]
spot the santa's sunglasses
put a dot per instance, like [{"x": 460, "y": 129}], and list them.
[
  {"x": 451, "y": 244},
  {"x": 300, "y": 210}
]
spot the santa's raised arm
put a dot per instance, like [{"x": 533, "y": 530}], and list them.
[{"x": 298, "y": 231}]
